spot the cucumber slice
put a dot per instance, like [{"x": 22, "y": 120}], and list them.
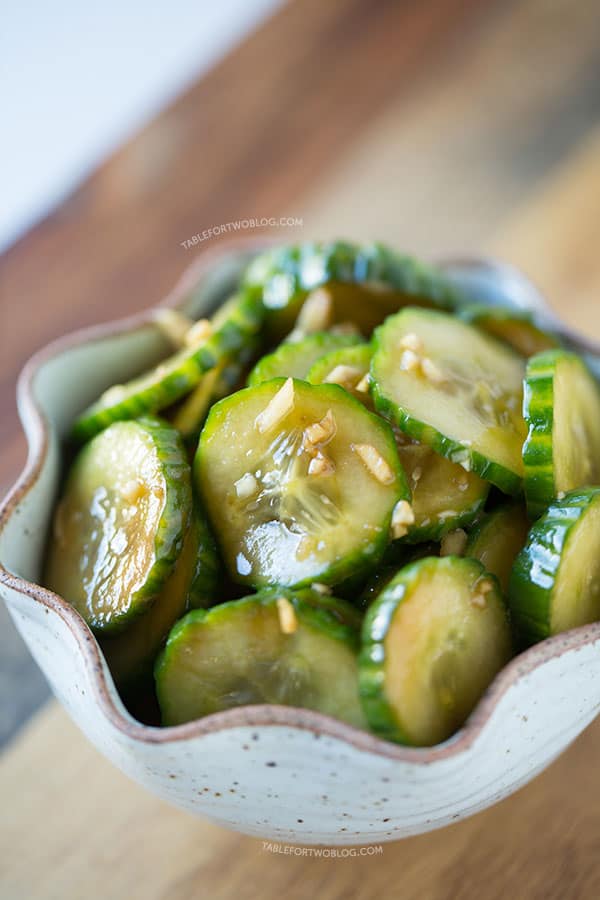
[
  {"x": 515, "y": 327},
  {"x": 191, "y": 414},
  {"x": 299, "y": 482},
  {"x": 562, "y": 411},
  {"x": 348, "y": 367},
  {"x": 120, "y": 524},
  {"x": 444, "y": 496},
  {"x": 295, "y": 360},
  {"x": 497, "y": 538},
  {"x": 206, "y": 576},
  {"x": 131, "y": 654},
  {"x": 274, "y": 647},
  {"x": 366, "y": 283},
  {"x": 432, "y": 642},
  {"x": 179, "y": 374},
  {"x": 451, "y": 387},
  {"x": 555, "y": 582}
]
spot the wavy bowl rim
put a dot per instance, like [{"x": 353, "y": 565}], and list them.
[{"x": 37, "y": 432}]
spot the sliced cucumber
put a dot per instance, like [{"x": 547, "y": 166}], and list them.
[
  {"x": 206, "y": 576},
  {"x": 120, "y": 524},
  {"x": 299, "y": 482},
  {"x": 562, "y": 410},
  {"x": 191, "y": 413},
  {"x": 274, "y": 647},
  {"x": 131, "y": 654},
  {"x": 555, "y": 582},
  {"x": 295, "y": 360},
  {"x": 179, "y": 374},
  {"x": 348, "y": 367},
  {"x": 432, "y": 642},
  {"x": 444, "y": 496},
  {"x": 366, "y": 283},
  {"x": 516, "y": 327},
  {"x": 451, "y": 387},
  {"x": 497, "y": 538}
]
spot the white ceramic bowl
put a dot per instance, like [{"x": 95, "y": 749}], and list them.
[{"x": 276, "y": 772}]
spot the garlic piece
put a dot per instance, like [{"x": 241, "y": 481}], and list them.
[
  {"x": 320, "y": 432},
  {"x": 403, "y": 515},
  {"x": 374, "y": 462},
  {"x": 278, "y": 407},
  {"x": 174, "y": 325},
  {"x": 246, "y": 486},
  {"x": 199, "y": 333},
  {"x": 454, "y": 543},
  {"x": 288, "y": 623}
]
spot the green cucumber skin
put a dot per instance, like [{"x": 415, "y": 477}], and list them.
[
  {"x": 363, "y": 561},
  {"x": 538, "y": 411},
  {"x": 476, "y": 313},
  {"x": 358, "y": 355},
  {"x": 329, "y": 615},
  {"x": 280, "y": 363},
  {"x": 371, "y": 662},
  {"x": 508, "y": 482},
  {"x": 437, "y": 531},
  {"x": 204, "y": 587},
  {"x": 173, "y": 524},
  {"x": 240, "y": 327},
  {"x": 536, "y": 566},
  {"x": 178, "y": 503},
  {"x": 287, "y": 272}
]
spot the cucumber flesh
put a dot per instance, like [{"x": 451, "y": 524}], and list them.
[
  {"x": 562, "y": 411},
  {"x": 497, "y": 539},
  {"x": 432, "y": 642},
  {"x": 205, "y": 581},
  {"x": 444, "y": 495},
  {"x": 176, "y": 376},
  {"x": 555, "y": 582},
  {"x": 515, "y": 327},
  {"x": 120, "y": 524},
  {"x": 274, "y": 647},
  {"x": 131, "y": 654},
  {"x": 291, "y": 495},
  {"x": 366, "y": 283},
  {"x": 348, "y": 367},
  {"x": 294, "y": 360},
  {"x": 447, "y": 385},
  {"x": 191, "y": 414}
]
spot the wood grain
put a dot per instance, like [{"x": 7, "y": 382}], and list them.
[
  {"x": 245, "y": 141},
  {"x": 73, "y": 827},
  {"x": 439, "y": 126}
]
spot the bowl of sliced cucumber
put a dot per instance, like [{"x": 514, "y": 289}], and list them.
[{"x": 312, "y": 548}]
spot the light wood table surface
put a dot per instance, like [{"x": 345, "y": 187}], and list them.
[{"x": 445, "y": 126}]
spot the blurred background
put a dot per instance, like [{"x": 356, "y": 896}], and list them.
[{"x": 440, "y": 126}]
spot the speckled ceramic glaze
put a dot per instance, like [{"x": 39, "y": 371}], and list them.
[{"x": 276, "y": 772}]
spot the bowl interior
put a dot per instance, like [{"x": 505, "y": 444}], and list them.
[
  {"x": 65, "y": 377},
  {"x": 61, "y": 380}
]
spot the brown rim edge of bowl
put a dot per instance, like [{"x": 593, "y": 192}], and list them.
[{"x": 243, "y": 716}]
